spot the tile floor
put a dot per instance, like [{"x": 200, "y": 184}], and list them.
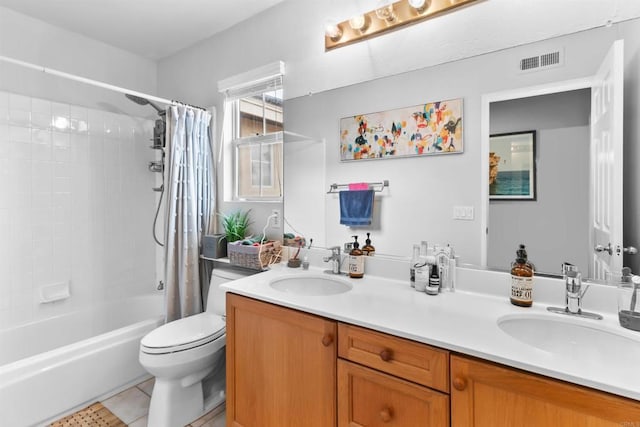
[{"x": 132, "y": 407}]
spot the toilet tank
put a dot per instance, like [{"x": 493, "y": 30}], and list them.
[{"x": 219, "y": 276}]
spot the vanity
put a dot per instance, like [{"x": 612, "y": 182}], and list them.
[{"x": 373, "y": 352}]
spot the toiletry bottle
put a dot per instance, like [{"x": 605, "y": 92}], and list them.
[
  {"x": 422, "y": 276},
  {"x": 368, "y": 248},
  {"x": 521, "y": 279},
  {"x": 415, "y": 260},
  {"x": 356, "y": 260},
  {"x": 434, "y": 281}
]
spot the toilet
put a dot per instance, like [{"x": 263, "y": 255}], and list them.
[{"x": 185, "y": 354}]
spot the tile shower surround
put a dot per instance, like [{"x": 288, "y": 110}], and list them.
[{"x": 75, "y": 205}]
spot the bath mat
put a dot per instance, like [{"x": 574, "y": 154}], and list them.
[{"x": 95, "y": 415}]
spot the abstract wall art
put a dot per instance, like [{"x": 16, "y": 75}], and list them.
[{"x": 422, "y": 130}]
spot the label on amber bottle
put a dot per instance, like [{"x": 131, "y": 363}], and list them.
[
  {"x": 521, "y": 289},
  {"x": 356, "y": 264}
]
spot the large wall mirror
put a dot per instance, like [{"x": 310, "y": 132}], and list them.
[{"x": 420, "y": 203}]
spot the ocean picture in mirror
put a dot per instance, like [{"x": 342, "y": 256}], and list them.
[
  {"x": 422, "y": 130},
  {"x": 512, "y": 166}
]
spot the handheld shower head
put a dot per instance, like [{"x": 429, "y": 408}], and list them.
[{"x": 143, "y": 101}]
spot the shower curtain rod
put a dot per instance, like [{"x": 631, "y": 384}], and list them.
[{"x": 91, "y": 82}]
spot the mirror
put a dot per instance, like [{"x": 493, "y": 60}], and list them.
[{"x": 424, "y": 194}]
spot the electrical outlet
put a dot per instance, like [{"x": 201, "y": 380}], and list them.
[{"x": 276, "y": 220}]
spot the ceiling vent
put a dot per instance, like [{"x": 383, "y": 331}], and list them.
[{"x": 541, "y": 62}]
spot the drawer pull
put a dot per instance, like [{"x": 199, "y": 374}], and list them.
[
  {"x": 459, "y": 383},
  {"x": 386, "y": 355},
  {"x": 327, "y": 340},
  {"x": 386, "y": 414}
]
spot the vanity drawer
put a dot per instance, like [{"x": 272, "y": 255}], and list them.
[
  {"x": 403, "y": 358},
  {"x": 370, "y": 398}
]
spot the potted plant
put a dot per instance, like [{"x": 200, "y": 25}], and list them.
[{"x": 236, "y": 225}]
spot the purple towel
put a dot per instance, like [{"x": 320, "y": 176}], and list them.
[{"x": 356, "y": 207}]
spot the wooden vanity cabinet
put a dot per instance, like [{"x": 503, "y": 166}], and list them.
[
  {"x": 398, "y": 384},
  {"x": 286, "y": 368},
  {"x": 281, "y": 366},
  {"x": 486, "y": 394}
]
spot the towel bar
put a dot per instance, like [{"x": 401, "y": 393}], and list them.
[{"x": 376, "y": 186}]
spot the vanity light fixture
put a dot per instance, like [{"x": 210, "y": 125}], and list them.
[{"x": 386, "y": 17}]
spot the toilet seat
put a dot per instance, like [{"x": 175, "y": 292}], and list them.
[{"x": 183, "y": 334}]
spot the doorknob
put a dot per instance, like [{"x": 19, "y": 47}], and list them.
[
  {"x": 629, "y": 250},
  {"x": 600, "y": 248}
]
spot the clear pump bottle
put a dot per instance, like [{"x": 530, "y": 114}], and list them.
[{"x": 415, "y": 261}]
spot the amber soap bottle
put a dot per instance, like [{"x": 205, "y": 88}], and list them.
[
  {"x": 522, "y": 279},
  {"x": 368, "y": 248},
  {"x": 356, "y": 261}
]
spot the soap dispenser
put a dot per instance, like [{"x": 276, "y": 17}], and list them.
[
  {"x": 368, "y": 248},
  {"x": 356, "y": 260},
  {"x": 522, "y": 279}
]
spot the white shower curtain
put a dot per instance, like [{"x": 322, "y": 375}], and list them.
[{"x": 189, "y": 207}]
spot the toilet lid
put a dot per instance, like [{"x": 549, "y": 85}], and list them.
[{"x": 183, "y": 334}]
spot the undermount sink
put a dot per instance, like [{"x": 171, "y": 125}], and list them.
[
  {"x": 571, "y": 336},
  {"x": 311, "y": 285}
]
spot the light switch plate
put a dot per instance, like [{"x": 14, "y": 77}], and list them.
[{"x": 463, "y": 213}]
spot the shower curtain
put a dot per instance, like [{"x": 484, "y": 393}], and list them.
[{"x": 189, "y": 208}]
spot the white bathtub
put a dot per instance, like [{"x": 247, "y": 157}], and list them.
[{"x": 51, "y": 366}]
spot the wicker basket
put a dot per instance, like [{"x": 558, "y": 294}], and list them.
[{"x": 252, "y": 256}]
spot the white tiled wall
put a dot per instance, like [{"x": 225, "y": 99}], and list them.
[{"x": 75, "y": 205}]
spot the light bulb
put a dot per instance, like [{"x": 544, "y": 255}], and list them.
[
  {"x": 386, "y": 13},
  {"x": 333, "y": 31},
  {"x": 420, "y": 5},
  {"x": 359, "y": 23}
]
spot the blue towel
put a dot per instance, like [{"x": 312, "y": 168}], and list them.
[{"x": 356, "y": 207}]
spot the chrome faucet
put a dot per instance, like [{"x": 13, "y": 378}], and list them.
[
  {"x": 574, "y": 292},
  {"x": 335, "y": 259}
]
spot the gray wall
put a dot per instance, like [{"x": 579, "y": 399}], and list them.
[{"x": 555, "y": 227}]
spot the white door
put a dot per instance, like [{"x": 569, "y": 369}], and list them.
[{"x": 606, "y": 164}]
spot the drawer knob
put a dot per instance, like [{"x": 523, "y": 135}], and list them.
[
  {"x": 386, "y": 414},
  {"x": 459, "y": 383},
  {"x": 327, "y": 340},
  {"x": 386, "y": 355}
]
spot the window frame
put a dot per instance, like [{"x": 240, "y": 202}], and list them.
[{"x": 262, "y": 81}]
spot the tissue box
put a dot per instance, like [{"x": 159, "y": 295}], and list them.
[{"x": 214, "y": 246}]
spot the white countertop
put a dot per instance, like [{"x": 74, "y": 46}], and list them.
[{"x": 463, "y": 321}]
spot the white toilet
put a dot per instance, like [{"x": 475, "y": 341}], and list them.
[{"x": 183, "y": 353}]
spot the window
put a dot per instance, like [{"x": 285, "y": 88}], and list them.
[{"x": 254, "y": 124}]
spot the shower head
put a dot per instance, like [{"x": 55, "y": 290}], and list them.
[{"x": 143, "y": 101}]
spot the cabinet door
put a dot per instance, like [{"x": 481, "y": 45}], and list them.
[
  {"x": 370, "y": 398},
  {"x": 485, "y": 394},
  {"x": 281, "y": 366}
]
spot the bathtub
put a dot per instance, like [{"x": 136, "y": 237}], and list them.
[{"x": 49, "y": 367}]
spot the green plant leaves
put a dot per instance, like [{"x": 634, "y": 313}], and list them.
[{"x": 236, "y": 225}]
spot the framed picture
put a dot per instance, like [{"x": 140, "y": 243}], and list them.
[
  {"x": 422, "y": 130},
  {"x": 512, "y": 166}
]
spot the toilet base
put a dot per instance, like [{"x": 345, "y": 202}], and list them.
[{"x": 173, "y": 405}]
